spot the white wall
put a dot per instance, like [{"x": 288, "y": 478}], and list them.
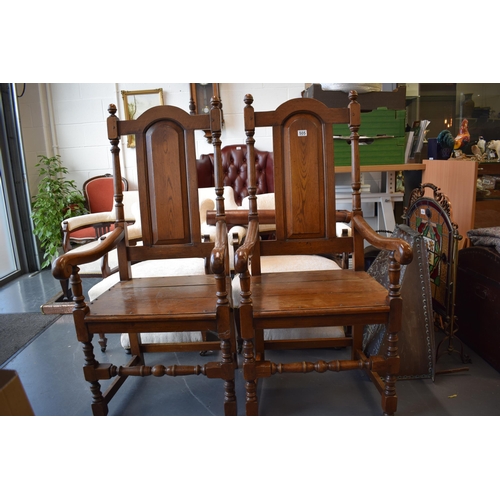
[{"x": 69, "y": 119}]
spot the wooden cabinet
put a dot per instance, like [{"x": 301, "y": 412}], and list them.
[
  {"x": 458, "y": 179},
  {"x": 488, "y": 196},
  {"x": 477, "y": 299}
]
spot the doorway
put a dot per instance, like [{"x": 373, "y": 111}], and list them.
[
  {"x": 17, "y": 244},
  {"x": 9, "y": 263}
]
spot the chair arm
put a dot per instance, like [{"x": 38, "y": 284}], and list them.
[
  {"x": 219, "y": 252},
  {"x": 343, "y": 216},
  {"x": 403, "y": 252},
  {"x": 100, "y": 221},
  {"x": 62, "y": 267},
  {"x": 245, "y": 251},
  {"x": 87, "y": 220}
]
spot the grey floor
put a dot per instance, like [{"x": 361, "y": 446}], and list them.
[{"x": 50, "y": 369}]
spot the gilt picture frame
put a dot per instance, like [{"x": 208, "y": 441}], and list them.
[{"x": 135, "y": 102}]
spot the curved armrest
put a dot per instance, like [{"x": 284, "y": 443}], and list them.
[
  {"x": 244, "y": 252},
  {"x": 100, "y": 221},
  {"x": 403, "y": 252},
  {"x": 62, "y": 267},
  {"x": 88, "y": 220},
  {"x": 218, "y": 257}
]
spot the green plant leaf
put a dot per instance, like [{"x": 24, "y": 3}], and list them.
[{"x": 50, "y": 205}]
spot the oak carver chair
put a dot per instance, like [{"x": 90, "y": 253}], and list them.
[
  {"x": 170, "y": 227},
  {"x": 306, "y": 216}
]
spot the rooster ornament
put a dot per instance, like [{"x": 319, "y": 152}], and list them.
[
  {"x": 463, "y": 137},
  {"x": 448, "y": 143}
]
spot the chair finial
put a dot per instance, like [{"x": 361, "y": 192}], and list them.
[
  {"x": 215, "y": 101},
  {"x": 353, "y": 95},
  {"x": 248, "y": 100},
  {"x": 112, "y": 109}
]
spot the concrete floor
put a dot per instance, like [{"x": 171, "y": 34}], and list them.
[{"x": 50, "y": 368}]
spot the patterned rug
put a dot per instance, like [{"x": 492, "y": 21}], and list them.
[{"x": 18, "y": 330}]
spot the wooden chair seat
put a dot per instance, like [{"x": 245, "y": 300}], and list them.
[
  {"x": 292, "y": 264},
  {"x": 339, "y": 297},
  {"x": 154, "y": 300},
  {"x": 156, "y": 268}
]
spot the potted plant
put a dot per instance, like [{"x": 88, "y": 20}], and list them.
[{"x": 58, "y": 198}]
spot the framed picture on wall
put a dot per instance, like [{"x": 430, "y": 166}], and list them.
[{"x": 135, "y": 102}]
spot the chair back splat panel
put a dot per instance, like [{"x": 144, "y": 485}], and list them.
[
  {"x": 306, "y": 217},
  {"x": 167, "y": 180},
  {"x": 170, "y": 300}
]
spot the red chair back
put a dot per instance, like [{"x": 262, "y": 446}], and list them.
[{"x": 99, "y": 193}]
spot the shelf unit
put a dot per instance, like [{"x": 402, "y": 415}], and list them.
[{"x": 384, "y": 199}]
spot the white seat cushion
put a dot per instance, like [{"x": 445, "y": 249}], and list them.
[
  {"x": 265, "y": 201},
  {"x": 162, "y": 338},
  {"x": 316, "y": 332}
]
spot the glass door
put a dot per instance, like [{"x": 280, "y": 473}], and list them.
[
  {"x": 18, "y": 250},
  {"x": 9, "y": 261}
]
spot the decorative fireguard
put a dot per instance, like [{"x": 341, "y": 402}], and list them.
[
  {"x": 416, "y": 344},
  {"x": 432, "y": 218}
]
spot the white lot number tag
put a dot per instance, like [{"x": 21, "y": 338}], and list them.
[{"x": 302, "y": 133}]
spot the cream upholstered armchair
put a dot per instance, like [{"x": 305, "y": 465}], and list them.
[
  {"x": 98, "y": 193},
  {"x": 108, "y": 264},
  {"x": 96, "y": 220}
]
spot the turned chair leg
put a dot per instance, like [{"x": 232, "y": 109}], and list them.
[
  {"x": 230, "y": 408},
  {"x": 389, "y": 396},
  {"x": 103, "y": 342},
  {"x": 251, "y": 405},
  {"x": 68, "y": 295},
  {"x": 99, "y": 405}
]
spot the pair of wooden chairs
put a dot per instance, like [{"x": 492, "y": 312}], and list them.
[{"x": 305, "y": 218}]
